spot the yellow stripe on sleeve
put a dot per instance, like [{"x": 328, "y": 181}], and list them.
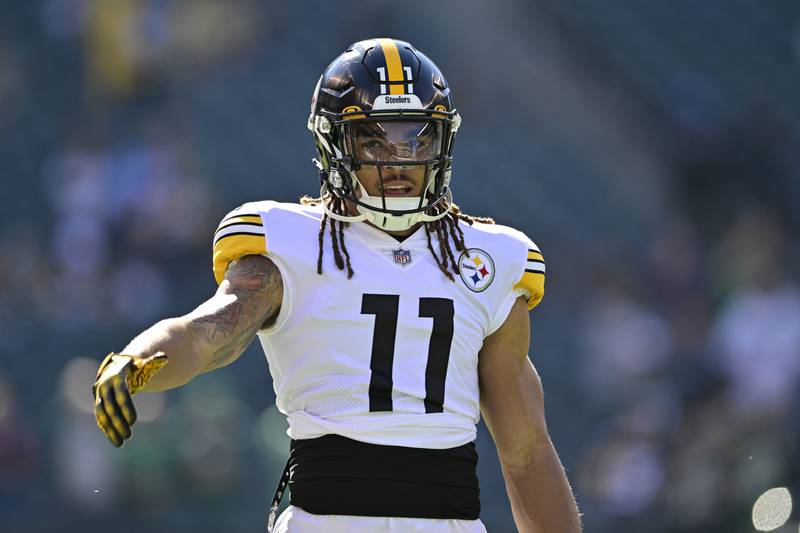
[
  {"x": 535, "y": 256},
  {"x": 234, "y": 246},
  {"x": 246, "y": 219},
  {"x": 394, "y": 66},
  {"x": 533, "y": 285}
]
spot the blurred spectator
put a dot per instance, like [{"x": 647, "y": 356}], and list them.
[
  {"x": 625, "y": 473},
  {"x": 25, "y": 292},
  {"x": 676, "y": 281},
  {"x": 624, "y": 476},
  {"x": 155, "y": 201},
  {"x": 20, "y": 462},
  {"x": 118, "y": 209},
  {"x": 623, "y": 343},
  {"x": 63, "y": 19},
  {"x": 132, "y": 44},
  {"x": 756, "y": 338},
  {"x": 12, "y": 84},
  {"x": 138, "y": 291},
  {"x": 214, "y": 429},
  {"x": 86, "y": 471},
  {"x": 720, "y": 462}
]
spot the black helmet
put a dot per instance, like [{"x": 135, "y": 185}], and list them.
[{"x": 374, "y": 83}]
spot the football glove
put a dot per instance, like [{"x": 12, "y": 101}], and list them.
[{"x": 118, "y": 378}]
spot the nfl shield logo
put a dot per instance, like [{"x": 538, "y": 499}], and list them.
[{"x": 402, "y": 257}]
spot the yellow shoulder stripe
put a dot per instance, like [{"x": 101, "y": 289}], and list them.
[
  {"x": 535, "y": 256},
  {"x": 231, "y": 247},
  {"x": 241, "y": 219},
  {"x": 532, "y": 283}
]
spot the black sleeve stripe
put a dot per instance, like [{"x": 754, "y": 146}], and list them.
[
  {"x": 534, "y": 251},
  {"x": 535, "y": 261},
  {"x": 534, "y": 271},
  {"x": 223, "y": 225},
  {"x": 238, "y": 233},
  {"x": 235, "y": 215}
]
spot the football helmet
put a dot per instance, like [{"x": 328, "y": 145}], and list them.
[{"x": 385, "y": 104}]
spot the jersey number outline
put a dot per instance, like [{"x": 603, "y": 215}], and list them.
[{"x": 385, "y": 308}]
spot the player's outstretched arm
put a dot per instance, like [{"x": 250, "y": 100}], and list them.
[
  {"x": 175, "y": 350},
  {"x": 512, "y": 403},
  {"x": 218, "y": 331}
]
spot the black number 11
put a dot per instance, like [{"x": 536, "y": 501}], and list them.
[{"x": 385, "y": 308}]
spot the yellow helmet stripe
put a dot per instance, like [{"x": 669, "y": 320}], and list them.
[{"x": 393, "y": 65}]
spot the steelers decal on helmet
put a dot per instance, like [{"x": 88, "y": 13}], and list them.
[
  {"x": 476, "y": 268},
  {"x": 402, "y": 101}
]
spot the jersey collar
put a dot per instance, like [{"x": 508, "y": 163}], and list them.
[{"x": 378, "y": 238}]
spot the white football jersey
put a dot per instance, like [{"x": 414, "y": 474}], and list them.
[{"x": 390, "y": 356}]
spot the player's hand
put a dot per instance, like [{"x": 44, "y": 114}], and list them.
[{"x": 118, "y": 378}]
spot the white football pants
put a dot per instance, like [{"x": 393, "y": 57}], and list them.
[{"x": 296, "y": 520}]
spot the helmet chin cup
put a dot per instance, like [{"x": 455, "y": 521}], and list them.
[
  {"x": 391, "y": 222},
  {"x": 388, "y": 221},
  {"x": 397, "y": 221}
]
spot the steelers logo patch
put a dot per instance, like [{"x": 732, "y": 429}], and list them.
[{"x": 476, "y": 269}]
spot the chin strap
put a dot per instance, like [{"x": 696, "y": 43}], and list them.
[{"x": 343, "y": 218}]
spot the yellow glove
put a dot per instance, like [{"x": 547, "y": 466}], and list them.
[{"x": 118, "y": 378}]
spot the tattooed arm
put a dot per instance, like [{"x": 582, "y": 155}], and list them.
[{"x": 219, "y": 330}]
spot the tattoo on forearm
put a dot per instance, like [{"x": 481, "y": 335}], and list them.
[{"x": 257, "y": 285}]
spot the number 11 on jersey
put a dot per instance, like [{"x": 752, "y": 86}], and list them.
[{"x": 385, "y": 308}]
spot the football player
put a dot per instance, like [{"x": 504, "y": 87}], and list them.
[{"x": 391, "y": 321}]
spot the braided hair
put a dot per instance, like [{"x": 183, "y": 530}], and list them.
[{"x": 446, "y": 229}]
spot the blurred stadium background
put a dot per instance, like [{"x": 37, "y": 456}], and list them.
[{"x": 650, "y": 148}]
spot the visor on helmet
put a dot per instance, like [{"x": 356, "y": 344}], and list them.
[{"x": 407, "y": 142}]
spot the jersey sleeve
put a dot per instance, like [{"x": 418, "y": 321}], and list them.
[
  {"x": 240, "y": 233},
  {"x": 531, "y": 284}
]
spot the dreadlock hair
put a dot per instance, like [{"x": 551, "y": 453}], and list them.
[{"x": 446, "y": 230}]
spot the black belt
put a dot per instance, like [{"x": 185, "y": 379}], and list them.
[{"x": 340, "y": 476}]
